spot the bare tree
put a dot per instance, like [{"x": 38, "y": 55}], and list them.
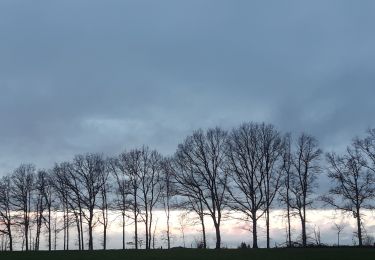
[
  {"x": 122, "y": 191},
  {"x": 317, "y": 236},
  {"x": 167, "y": 193},
  {"x": 104, "y": 205},
  {"x": 67, "y": 189},
  {"x": 88, "y": 170},
  {"x": 353, "y": 188},
  {"x": 49, "y": 199},
  {"x": 339, "y": 227},
  {"x": 245, "y": 188},
  {"x": 6, "y": 217},
  {"x": 303, "y": 182},
  {"x": 285, "y": 194},
  {"x": 21, "y": 192},
  {"x": 254, "y": 161},
  {"x": 41, "y": 186},
  {"x": 151, "y": 186},
  {"x": 190, "y": 194},
  {"x": 201, "y": 157},
  {"x": 183, "y": 221},
  {"x": 83, "y": 181},
  {"x": 129, "y": 164},
  {"x": 271, "y": 167}
]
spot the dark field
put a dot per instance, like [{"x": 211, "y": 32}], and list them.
[{"x": 196, "y": 254}]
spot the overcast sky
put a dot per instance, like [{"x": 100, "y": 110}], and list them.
[{"x": 102, "y": 76}]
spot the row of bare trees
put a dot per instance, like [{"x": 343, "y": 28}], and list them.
[
  {"x": 245, "y": 170},
  {"x": 248, "y": 170},
  {"x": 353, "y": 174}
]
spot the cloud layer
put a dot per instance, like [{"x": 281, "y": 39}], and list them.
[{"x": 94, "y": 76}]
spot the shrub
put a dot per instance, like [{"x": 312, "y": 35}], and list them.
[{"x": 243, "y": 245}]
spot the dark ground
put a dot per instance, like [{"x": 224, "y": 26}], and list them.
[{"x": 197, "y": 254}]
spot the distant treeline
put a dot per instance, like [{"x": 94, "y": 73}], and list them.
[{"x": 246, "y": 170}]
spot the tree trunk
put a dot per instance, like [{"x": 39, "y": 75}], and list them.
[
  {"x": 304, "y": 242},
  {"x": 123, "y": 231},
  {"x": 289, "y": 225},
  {"x": 218, "y": 236},
  {"x": 255, "y": 232},
  {"x": 67, "y": 229},
  {"x": 10, "y": 238},
  {"x": 90, "y": 237},
  {"x": 204, "y": 233},
  {"x": 168, "y": 229},
  {"x": 105, "y": 237},
  {"x": 135, "y": 218},
  {"x": 303, "y": 219},
  {"x": 268, "y": 226},
  {"x": 91, "y": 246},
  {"x": 78, "y": 231},
  {"x": 26, "y": 233},
  {"x": 146, "y": 230},
  {"x": 359, "y": 228},
  {"x": 55, "y": 234},
  {"x": 150, "y": 229},
  {"x": 105, "y": 216},
  {"x": 64, "y": 226},
  {"x": 81, "y": 227},
  {"x": 135, "y": 229},
  {"x": 49, "y": 228}
]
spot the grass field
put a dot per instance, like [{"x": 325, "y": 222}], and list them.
[{"x": 196, "y": 254}]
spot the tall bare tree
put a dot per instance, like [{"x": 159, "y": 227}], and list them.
[
  {"x": 41, "y": 186},
  {"x": 80, "y": 185},
  {"x": 306, "y": 168},
  {"x": 151, "y": 186},
  {"x": 202, "y": 157},
  {"x": 190, "y": 194},
  {"x": 245, "y": 188},
  {"x": 168, "y": 192},
  {"x": 129, "y": 164},
  {"x": 21, "y": 195},
  {"x": 49, "y": 199},
  {"x": 285, "y": 193},
  {"x": 88, "y": 171},
  {"x": 271, "y": 151},
  {"x": 62, "y": 181},
  {"x": 105, "y": 203},
  {"x": 6, "y": 216},
  {"x": 122, "y": 191},
  {"x": 353, "y": 188}
]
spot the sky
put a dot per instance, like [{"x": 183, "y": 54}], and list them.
[{"x": 104, "y": 76}]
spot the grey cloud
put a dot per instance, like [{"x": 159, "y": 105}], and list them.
[{"x": 104, "y": 76}]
